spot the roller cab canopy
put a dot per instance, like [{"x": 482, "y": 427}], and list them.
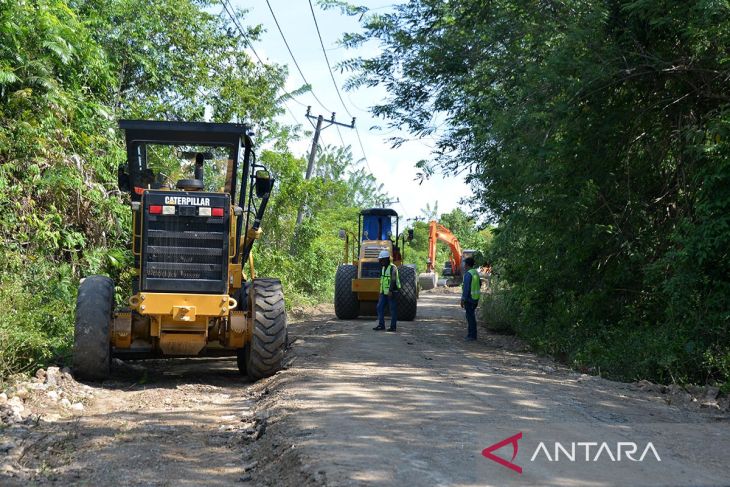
[
  {"x": 379, "y": 212},
  {"x": 377, "y": 223}
]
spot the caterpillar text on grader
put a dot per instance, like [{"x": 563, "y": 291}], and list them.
[
  {"x": 357, "y": 282},
  {"x": 190, "y": 241}
]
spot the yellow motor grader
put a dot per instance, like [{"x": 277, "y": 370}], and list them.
[{"x": 190, "y": 240}]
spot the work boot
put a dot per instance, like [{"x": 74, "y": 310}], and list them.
[
  {"x": 391, "y": 329},
  {"x": 470, "y": 339},
  {"x": 379, "y": 327}
]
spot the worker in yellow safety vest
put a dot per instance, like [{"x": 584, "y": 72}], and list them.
[
  {"x": 470, "y": 293},
  {"x": 389, "y": 289}
]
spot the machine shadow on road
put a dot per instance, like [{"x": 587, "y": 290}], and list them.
[{"x": 170, "y": 372}]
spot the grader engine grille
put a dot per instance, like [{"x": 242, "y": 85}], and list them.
[{"x": 185, "y": 242}]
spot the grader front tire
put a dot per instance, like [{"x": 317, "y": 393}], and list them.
[
  {"x": 92, "y": 331},
  {"x": 263, "y": 356}
]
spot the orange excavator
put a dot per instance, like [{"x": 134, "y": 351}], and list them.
[{"x": 454, "y": 268}]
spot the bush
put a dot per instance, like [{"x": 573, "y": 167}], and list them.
[
  {"x": 496, "y": 304},
  {"x": 36, "y": 325}
]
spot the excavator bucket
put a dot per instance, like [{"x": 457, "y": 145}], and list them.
[{"x": 427, "y": 280}]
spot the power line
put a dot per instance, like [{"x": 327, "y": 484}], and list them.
[
  {"x": 226, "y": 4},
  {"x": 291, "y": 114},
  {"x": 364, "y": 156},
  {"x": 349, "y": 98},
  {"x": 339, "y": 95},
  {"x": 286, "y": 43},
  {"x": 324, "y": 51},
  {"x": 340, "y": 134},
  {"x": 230, "y": 13},
  {"x": 291, "y": 97}
]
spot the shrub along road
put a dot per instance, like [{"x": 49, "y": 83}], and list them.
[{"x": 358, "y": 407}]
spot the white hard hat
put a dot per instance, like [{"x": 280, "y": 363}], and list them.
[{"x": 384, "y": 254}]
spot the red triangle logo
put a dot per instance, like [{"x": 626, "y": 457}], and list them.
[{"x": 487, "y": 452}]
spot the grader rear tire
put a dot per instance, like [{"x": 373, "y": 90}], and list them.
[
  {"x": 347, "y": 306},
  {"x": 263, "y": 356},
  {"x": 92, "y": 331},
  {"x": 408, "y": 296}
]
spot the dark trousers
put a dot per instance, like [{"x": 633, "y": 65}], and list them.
[
  {"x": 382, "y": 300},
  {"x": 471, "y": 319}
]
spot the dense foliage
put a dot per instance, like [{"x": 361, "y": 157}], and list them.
[
  {"x": 597, "y": 138},
  {"x": 69, "y": 69}
]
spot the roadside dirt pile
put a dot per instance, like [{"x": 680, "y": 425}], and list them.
[
  {"x": 52, "y": 394},
  {"x": 690, "y": 396},
  {"x": 29, "y": 405},
  {"x": 302, "y": 313}
]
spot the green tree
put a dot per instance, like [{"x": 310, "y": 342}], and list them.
[
  {"x": 52, "y": 178},
  {"x": 429, "y": 212},
  {"x": 467, "y": 230},
  {"x": 595, "y": 137},
  {"x": 332, "y": 198}
]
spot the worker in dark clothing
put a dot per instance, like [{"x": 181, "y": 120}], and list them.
[
  {"x": 389, "y": 288},
  {"x": 471, "y": 290}
]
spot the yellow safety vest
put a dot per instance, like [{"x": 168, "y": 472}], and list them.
[
  {"x": 476, "y": 285},
  {"x": 385, "y": 273}
]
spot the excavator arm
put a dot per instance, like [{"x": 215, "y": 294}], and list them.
[{"x": 436, "y": 233}]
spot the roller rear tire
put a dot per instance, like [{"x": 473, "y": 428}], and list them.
[
  {"x": 347, "y": 306},
  {"x": 408, "y": 296},
  {"x": 427, "y": 280}
]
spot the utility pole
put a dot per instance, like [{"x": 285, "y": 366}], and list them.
[
  {"x": 389, "y": 202},
  {"x": 318, "y": 128},
  {"x": 313, "y": 152}
]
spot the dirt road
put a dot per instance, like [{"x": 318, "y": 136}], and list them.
[{"x": 358, "y": 407}]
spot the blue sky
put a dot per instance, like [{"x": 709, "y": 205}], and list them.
[{"x": 395, "y": 168}]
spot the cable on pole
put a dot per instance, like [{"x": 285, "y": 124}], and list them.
[
  {"x": 226, "y": 5},
  {"x": 327, "y": 60},
  {"x": 296, "y": 63}
]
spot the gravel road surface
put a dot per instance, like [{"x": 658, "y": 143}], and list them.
[{"x": 358, "y": 407}]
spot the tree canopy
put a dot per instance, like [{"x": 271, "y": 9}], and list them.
[{"x": 595, "y": 135}]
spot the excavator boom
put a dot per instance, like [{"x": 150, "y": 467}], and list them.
[{"x": 436, "y": 233}]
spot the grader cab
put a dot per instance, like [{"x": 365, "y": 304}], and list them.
[
  {"x": 357, "y": 279},
  {"x": 197, "y": 201}
]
